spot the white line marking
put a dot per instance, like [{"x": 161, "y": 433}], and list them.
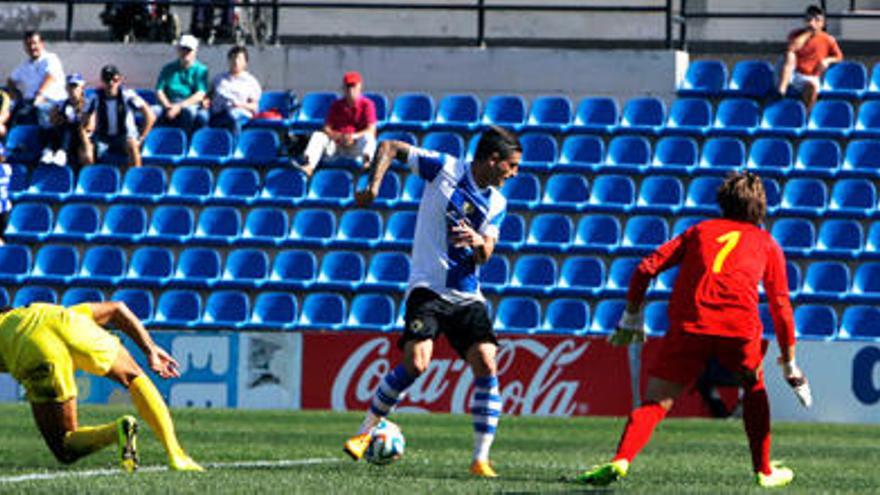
[{"x": 92, "y": 473}]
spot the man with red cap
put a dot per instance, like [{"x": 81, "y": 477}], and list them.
[{"x": 349, "y": 129}]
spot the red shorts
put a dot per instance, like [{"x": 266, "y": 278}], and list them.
[{"x": 683, "y": 357}]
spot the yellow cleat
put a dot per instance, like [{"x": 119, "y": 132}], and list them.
[
  {"x": 357, "y": 445},
  {"x": 483, "y": 469},
  {"x": 126, "y": 429},
  {"x": 779, "y": 476},
  {"x": 184, "y": 463},
  {"x": 604, "y": 474}
]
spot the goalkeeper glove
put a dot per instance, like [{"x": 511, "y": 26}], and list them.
[
  {"x": 798, "y": 382},
  {"x": 630, "y": 329}
]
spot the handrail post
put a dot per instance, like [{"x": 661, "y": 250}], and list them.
[
  {"x": 68, "y": 28},
  {"x": 682, "y": 33},
  {"x": 669, "y": 24},
  {"x": 275, "y": 13},
  {"x": 481, "y": 22}
]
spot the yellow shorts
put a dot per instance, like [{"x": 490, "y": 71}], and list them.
[{"x": 62, "y": 344}]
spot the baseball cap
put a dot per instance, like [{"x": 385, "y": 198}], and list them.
[
  {"x": 108, "y": 72},
  {"x": 75, "y": 79},
  {"x": 351, "y": 78},
  {"x": 188, "y": 41}
]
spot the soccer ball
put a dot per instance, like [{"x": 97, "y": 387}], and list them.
[{"x": 386, "y": 444}]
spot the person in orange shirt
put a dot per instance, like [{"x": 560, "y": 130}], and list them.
[{"x": 810, "y": 52}]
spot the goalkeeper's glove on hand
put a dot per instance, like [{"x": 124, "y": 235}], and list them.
[
  {"x": 631, "y": 328},
  {"x": 798, "y": 382}
]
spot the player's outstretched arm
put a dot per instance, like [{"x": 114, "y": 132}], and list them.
[{"x": 387, "y": 153}]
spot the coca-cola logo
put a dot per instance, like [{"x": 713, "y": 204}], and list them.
[{"x": 536, "y": 379}]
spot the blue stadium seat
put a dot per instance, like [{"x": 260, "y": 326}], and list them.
[
  {"x": 642, "y": 116},
  {"x": 840, "y": 239},
  {"x": 388, "y": 272},
  {"x": 613, "y": 193},
  {"x": 236, "y": 186},
  {"x": 866, "y": 285},
  {"x": 341, "y": 270},
  {"x": 862, "y": 158},
  {"x": 472, "y": 145},
  {"x": 793, "y": 272},
  {"x": 804, "y": 197},
  {"x": 566, "y": 316},
  {"x": 722, "y": 155},
  {"x": 872, "y": 242},
  {"x": 265, "y": 226},
  {"x": 750, "y": 79},
  {"x": 676, "y": 154},
  {"x": 459, "y": 113},
  {"x": 770, "y": 156},
  {"x": 522, "y": 191},
  {"x": 80, "y": 295},
  {"x": 643, "y": 234},
  {"x": 513, "y": 232},
  {"x": 656, "y": 318},
  {"x": 518, "y": 315},
  {"x": 868, "y": 122},
  {"x": 148, "y": 95},
  {"x": 581, "y": 154},
  {"x": 281, "y": 102},
  {"x": 257, "y": 147},
  {"x": 628, "y": 153},
  {"x": 411, "y": 194},
  {"x": 411, "y": 112},
  {"x": 853, "y": 198},
  {"x": 76, "y": 222},
  {"x": 533, "y": 274},
  {"x": 245, "y": 268},
  {"x": 597, "y": 233},
  {"x": 705, "y": 78},
  {"x": 150, "y": 267},
  {"x": 225, "y": 309},
  {"x": 24, "y": 143},
  {"x": 400, "y": 230},
  {"x": 282, "y": 187},
  {"x": 323, "y": 311},
  {"x": 26, "y": 295},
  {"x": 405, "y": 136},
  {"x": 50, "y": 183},
  {"x": 549, "y": 114},
  {"x": 293, "y": 269},
  {"x": 178, "y": 308},
  {"x": 684, "y": 223},
  {"x": 660, "y": 194},
  {"x": 171, "y": 224},
  {"x": 815, "y": 322},
  {"x": 330, "y": 188},
  {"x": 19, "y": 181},
  {"x": 607, "y": 315},
  {"x": 450, "y": 143},
  {"x": 858, "y": 323},
  {"x": 389, "y": 190},
  {"x": 124, "y": 224},
  {"x": 313, "y": 227},
  {"x": 190, "y": 184},
  {"x": 15, "y": 264},
  {"x": 197, "y": 267},
  {"x": 29, "y": 222},
  {"x": 773, "y": 191},
  {"x": 845, "y": 79},
  {"x": 664, "y": 282},
  {"x": 97, "y": 183},
  {"x": 102, "y": 265},
  {"x": 817, "y": 158},
  {"x": 139, "y": 301},
  {"x": 689, "y": 117},
  {"x": 825, "y": 282},
  {"x": 796, "y": 236},
  {"x": 210, "y": 146},
  {"x": 164, "y": 145},
  {"x": 549, "y": 232},
  {"x": 830, "y": 119},
  {"x": 371, "y": 312},
  {"x": 540, "y": 152},
  {"x": 595, "y": 115},
  {"x": 736, "y": 117},
  {"x": 273, "y": 311},
  {"x": 785, "y": 118},
  {"x": 873, "y": 91},
  {"x": 359, "y": 229},
  {"x": 504, "y": 111},
  {"x": 580, "y": 276},
  {"x": 55, "y": 264},
  {"x": 565, "y": 192},
  {"x": 313, "y": 110},
  {"x": 494, "y": 274},
  {"x": 380, "y": 102},
  {"x": 143, "y": 184},
  {"x": 218, "y": 225},
  {"x": 619, "y": 274}
]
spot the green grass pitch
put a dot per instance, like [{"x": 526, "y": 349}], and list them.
[{"x": 533, "y": 455}]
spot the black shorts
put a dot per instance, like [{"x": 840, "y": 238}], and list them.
[{"x": 428, "y": 315}]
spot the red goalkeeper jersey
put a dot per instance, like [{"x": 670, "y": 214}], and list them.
[{"x": 716, "y": 291}]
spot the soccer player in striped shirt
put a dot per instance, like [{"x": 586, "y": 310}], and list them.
[
  {"x": 5, "y": 201},
  {"x": 713, "y": 313}
]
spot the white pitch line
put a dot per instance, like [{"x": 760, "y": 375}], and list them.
[{"x": 92, "y": 473}]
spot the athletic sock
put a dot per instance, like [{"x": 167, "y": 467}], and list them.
[
  {"x": 389, "y": 393},
  {"x": 88, "y": 439},
  {"x": 756, "y": 418},
  {"x": 639, "y": 428},
  {"x": 152, "y": 408},
  {"x": 486, "y": 411}
]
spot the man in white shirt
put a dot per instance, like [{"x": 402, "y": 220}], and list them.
[
  {"x": 38, "y": 83},
  {"x": 235, "y": 95}
]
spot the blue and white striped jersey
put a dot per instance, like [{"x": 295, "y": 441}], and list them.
[{"x": 5, "y": 178}]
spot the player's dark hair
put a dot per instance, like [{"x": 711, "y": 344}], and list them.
[
  {"x": 30, "y": 34},
  {"x": 814, "y": 11},
  {"x": 742, "y": 197},
  {"x": 235, "y": 50},
  {"x": 497, "y": 140}
]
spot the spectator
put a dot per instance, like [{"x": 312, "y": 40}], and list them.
[
  {"x": 37, "y": 83},
  {"x": 235, "y": 95},
  {"x": 810, "y": 52},
  {"x": 182, "y": 87},
  {"x": 5, "y": 201},
  {"x": 5, "y": 112},
  {"x": 349, "y": 130},
  {"x": 112, "y": 114},
  {"x": 69, "y": 134}
]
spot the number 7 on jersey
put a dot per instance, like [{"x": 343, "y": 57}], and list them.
[{"x": 730, "y": 240}]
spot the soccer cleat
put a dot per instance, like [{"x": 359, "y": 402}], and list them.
[
  {"x": 357, "y": 445},
  {"x": 483, "y": 469},
  {"x": 126, "y": 429},
  {"x": 779, "y": 476},
  {"x": 604, "y": 474},
  {"x": 184, "y": 463}
]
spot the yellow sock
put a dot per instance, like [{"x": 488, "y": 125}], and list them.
[
  {"x": 152, "y": 408},
  {"x": 88, "y": 439}
]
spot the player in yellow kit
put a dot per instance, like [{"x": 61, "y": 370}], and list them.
[{"x": 43, "y": 344}]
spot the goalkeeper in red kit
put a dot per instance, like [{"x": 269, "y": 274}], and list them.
[{"x": 713, "y": 313}]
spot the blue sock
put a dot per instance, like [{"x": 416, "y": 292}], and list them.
[
  {"x": 390, "y": 391},
  {"x": 486, "y": 411}
]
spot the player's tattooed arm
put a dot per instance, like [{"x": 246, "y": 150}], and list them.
[{"x": 387, "y": 153}]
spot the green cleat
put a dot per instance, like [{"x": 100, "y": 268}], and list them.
[
  {"x": 779, "y": 476},
  {"x": 126, "y": 429},
  {"x": 604, "y": 474}
]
